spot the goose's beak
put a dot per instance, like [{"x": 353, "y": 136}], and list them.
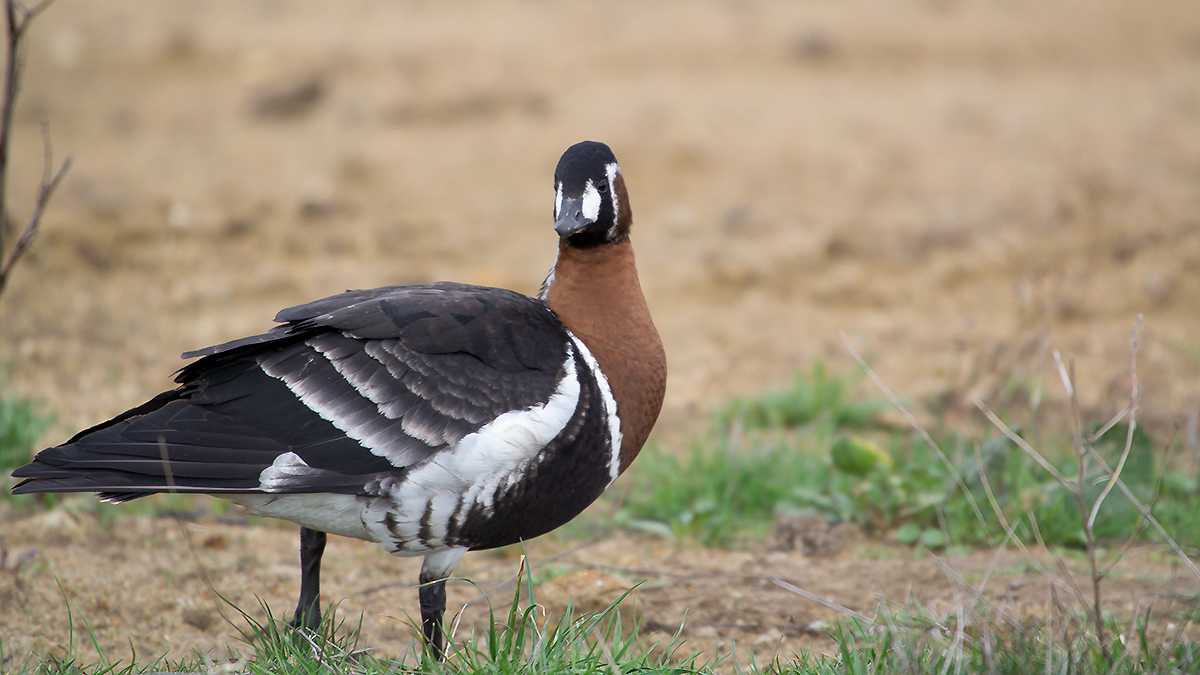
[{"x": 571, "y": 218}]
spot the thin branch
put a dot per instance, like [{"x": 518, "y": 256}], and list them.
[
  {"x": 912, "y": 420},
  {"x": 1081, "y": 469},
  {"x": 1062, "y": 374},
  {"x": 12, "y": 77},
  {"x": 15, "y": 32},
  {"x": 606, "y": 650},
  {"x": 45, "y": 190},
  {"x": 822, "y": 601},
  {"x": 17, "y": 21},
  {"x": 1145, "y": 511},
  {"x": 1133, "y": 408},
  {"x": 1021, "y": 443},
  {"x": 1116, "y": 419},
  {"x": 1137, "y": 529},
  {"x": 31, "y": 14}
]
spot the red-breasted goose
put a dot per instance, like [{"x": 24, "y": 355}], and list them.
[{"x": 431, "y": 419}]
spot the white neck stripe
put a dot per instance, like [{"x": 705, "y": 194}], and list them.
[
  {"x": 610, "y": 407},
  {"x": 612, "y": 170}
]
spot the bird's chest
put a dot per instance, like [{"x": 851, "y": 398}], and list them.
[{"x": 504, "y": 485}]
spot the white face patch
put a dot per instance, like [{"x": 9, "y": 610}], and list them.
[
  {"x": 558, "y": 202},
  {"x": 591, "y": 202}
]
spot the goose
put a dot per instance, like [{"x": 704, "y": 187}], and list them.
[{"x": 430, "y": 419}]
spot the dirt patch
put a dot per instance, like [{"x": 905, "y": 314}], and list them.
[
  {"x": 147, "y": 582},
  {"x": 958, "y": 186}
]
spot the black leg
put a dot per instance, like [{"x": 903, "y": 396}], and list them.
[
  {"x": 437, "y": 566},
  {"x": 308, "y": 610},
  {"x": 433, "y": 607}
]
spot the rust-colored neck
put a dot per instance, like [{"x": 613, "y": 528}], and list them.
[{"x": 597, "y": 295}]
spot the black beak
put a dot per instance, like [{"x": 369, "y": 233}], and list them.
[{"x": 571, "y": 218}]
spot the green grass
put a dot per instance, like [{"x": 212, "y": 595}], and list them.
[
  {"x": 513, "y": 643},
  {"x": 812, "y": 449},
  {"x": 899, "y": 641},
  {"x": 915, "y": 644},
  {"x": 21, "y": 424},
  {"x": 814, "y": 398}
]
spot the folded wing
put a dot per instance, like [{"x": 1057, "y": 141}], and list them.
[{"x": 349, "y": 389}]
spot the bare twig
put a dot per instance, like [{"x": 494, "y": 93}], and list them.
[
  {"x": 912, "y": 420},
  {"x": 1023, "y": 444},
  {"x": 1062, "y": 374},
  {"x": 1081, "y": 470},
  {"x": 819, "y": 600},
  {"x": 954, "y": 653},
  {"x": 45, "y": 190},
  {"x": 205, "y": 577},
  {"x": 1050, "y": 635},
  {"x": 1116, "y": 419},
  {"x": 607, "y": 651},
  {"x": 1145, "y": 511},
  {"x": 1133, "y": 408},
  {"x": 17, "y": 20},
  {"x": 1010, "y": 533},
  {"x": 1137, "y": 529}
]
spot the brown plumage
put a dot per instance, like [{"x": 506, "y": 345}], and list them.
[{"x": 597, "y": 295}]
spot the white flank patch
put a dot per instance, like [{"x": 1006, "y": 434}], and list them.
[
  {"x": 611, "y": 169},
  {"x": 336, "y": 514},
  {"x": 558, "y": 202},
  {"x": 285, "y": 467},
  {"x": 475, "y": 468},
  {"x": 610, "y": 406},
  {"x": 439, "y": 564},
  {"x": 591, "y": 202}
]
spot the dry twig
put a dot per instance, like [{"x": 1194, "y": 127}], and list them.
[
  {"x": 17, "y": 21},
  {"x": 912, "y": 420}
]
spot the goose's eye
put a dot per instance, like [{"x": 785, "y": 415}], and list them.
[{"x": 603, "y": 186}]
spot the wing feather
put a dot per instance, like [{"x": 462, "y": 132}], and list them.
[{"x": 349, "y": 389}]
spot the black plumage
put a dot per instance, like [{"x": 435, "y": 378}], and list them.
[{"x": 442, "y": 359}]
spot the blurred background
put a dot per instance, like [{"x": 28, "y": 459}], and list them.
[{"x": 959, "y": 186}]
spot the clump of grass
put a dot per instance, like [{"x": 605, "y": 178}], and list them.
[
  {"x": 587, "y": 643},
  {"x": 715, "y": 494},
  {"x": 21, "y": 424},
  {"x": 794, "y": 452},
  {"x": 519, "y": 641},
  {"x": 922, "y": 643},
  {"x": 758, "y": 453},
  {"x": 815, "y": 397}
]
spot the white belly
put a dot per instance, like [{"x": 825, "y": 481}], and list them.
[{"x": 332, "y": 513}]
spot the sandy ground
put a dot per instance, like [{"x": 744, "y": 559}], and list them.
[
  {"x": 960, "y": 187},
  {"x": 153, "y": 584}
]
